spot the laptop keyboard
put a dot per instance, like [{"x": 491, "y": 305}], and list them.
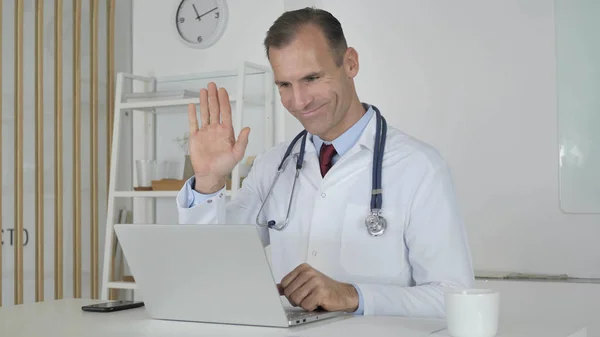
[{"x": 292, "y": 315}]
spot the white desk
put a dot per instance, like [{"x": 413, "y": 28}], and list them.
[
  {"x": 65, "y": 318},
  {"x": 537, "y": 301}
]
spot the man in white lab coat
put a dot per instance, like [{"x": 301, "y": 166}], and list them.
[{"x": 325, "y": 258}]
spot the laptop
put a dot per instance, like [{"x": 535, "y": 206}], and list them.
[{"x": 207, "y": 273}]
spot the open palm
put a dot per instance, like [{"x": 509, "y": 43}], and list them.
[{"x": 214, "y": 151}]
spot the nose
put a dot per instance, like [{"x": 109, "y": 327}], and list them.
[{"x": 300, "y": 98}]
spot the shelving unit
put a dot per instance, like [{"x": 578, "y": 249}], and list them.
[
  {"x": 146, "y": 104},
  {"x": 151, "y": 104},
  {"x": 151, "y": 194}
]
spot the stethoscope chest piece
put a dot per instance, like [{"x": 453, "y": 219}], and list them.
[{"x": 376, "y": 224}]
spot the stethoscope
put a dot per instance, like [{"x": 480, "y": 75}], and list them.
[{"x": 375, "y": 222}]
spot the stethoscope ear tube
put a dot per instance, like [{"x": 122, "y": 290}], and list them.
[{"x": 291, "y": 147}]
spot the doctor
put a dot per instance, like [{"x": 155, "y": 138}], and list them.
[{"x": 323, "y": 252}]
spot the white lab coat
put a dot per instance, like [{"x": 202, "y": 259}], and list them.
[{"x": 405, "y": 271}]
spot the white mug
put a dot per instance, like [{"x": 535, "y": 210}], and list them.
[{"x": 472, "y": 312}]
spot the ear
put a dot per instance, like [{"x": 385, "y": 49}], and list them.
[{"x": 351, "y": 62}]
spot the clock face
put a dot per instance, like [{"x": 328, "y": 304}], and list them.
[{"x": 200, "y": 23}]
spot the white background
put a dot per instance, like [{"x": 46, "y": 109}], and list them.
[{"x": 475, "y": 79}]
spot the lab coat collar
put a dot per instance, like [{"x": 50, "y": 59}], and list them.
[
  {"x": 349, "y": 138},
  {"x": 366, "y": 139}
]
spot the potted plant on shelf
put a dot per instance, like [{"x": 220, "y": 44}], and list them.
[{"x": 183, "y": 143}]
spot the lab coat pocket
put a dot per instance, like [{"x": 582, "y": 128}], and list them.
[{"x": 368, "y": 256}]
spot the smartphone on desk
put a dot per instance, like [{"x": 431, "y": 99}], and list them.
[{"x": 112, "y": 306}]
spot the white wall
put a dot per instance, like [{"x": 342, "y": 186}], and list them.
[
  {"x": 122, "y": 62},
  {"x": 158, "y": 51},
  {"x": 569, "y": 304},
  {"x": 477, "y": 80}
]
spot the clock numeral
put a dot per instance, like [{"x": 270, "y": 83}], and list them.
[
  {"x": 199, "y": 38},
  {"x": 181, "y": 20},
  {"x": 216, "y": 15}
]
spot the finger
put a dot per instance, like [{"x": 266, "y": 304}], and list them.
[
  {"x": 293, "y": 274},
  {"x": 204, "y": 107},
  {"x": 280, "y": 289},
  {"x": 213, "y": 104},
  {"x": 240, "y": 145},
  {"x": 225, "y": 107},
  {"x": 302, "y": 292},
  {"x": 311, "y": 301},
  {"x": 297, "y": 283},
  {"x": 192, "y": 118}
]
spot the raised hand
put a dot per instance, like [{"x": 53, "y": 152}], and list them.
[
  {"x": 214, "y": 151},
  {"x": 310, "y": 289}
]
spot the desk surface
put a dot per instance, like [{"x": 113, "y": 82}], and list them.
[{"x": 65, "y": 318}]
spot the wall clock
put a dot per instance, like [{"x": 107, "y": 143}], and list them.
[{"x": 201, "y": 23}]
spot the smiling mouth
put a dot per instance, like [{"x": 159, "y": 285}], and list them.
[{"x": 311, "y": 112}]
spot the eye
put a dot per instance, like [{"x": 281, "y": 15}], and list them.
[
  {"x": 311, "y": 78},
  {"x": 284, "y": 85}
]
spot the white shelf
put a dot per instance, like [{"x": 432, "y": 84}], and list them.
[
  {"x": 151, "y": 101},
  {"x": 122, "y": 285},
  {"x": 165, "y": 103},
  {"x": 151, "y": 194},
  {"x": 157, "y": 95},
  {"x": 258, "y": 70}
]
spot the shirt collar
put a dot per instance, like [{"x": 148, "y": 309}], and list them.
[{"x": 350, "y": 137}]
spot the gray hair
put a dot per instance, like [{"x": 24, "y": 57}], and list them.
[{"x": 285, "y": 28}]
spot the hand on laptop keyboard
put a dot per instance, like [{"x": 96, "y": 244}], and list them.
[{"x": 312, "y": 290}]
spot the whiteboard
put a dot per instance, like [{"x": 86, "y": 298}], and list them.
[{"x": 578, "y": 91}]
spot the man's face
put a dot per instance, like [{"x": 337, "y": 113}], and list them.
[{"x": 312, "y": 87}]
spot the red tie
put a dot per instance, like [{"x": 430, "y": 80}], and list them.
[{"x": 325, "y": 156}]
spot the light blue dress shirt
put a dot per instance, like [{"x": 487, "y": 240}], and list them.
[{"x": 341, "y": 144}]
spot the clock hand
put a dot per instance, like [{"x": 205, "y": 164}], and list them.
[
  {"x": 195, "y": 10},
  {"x": 208, "y": 12}
]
